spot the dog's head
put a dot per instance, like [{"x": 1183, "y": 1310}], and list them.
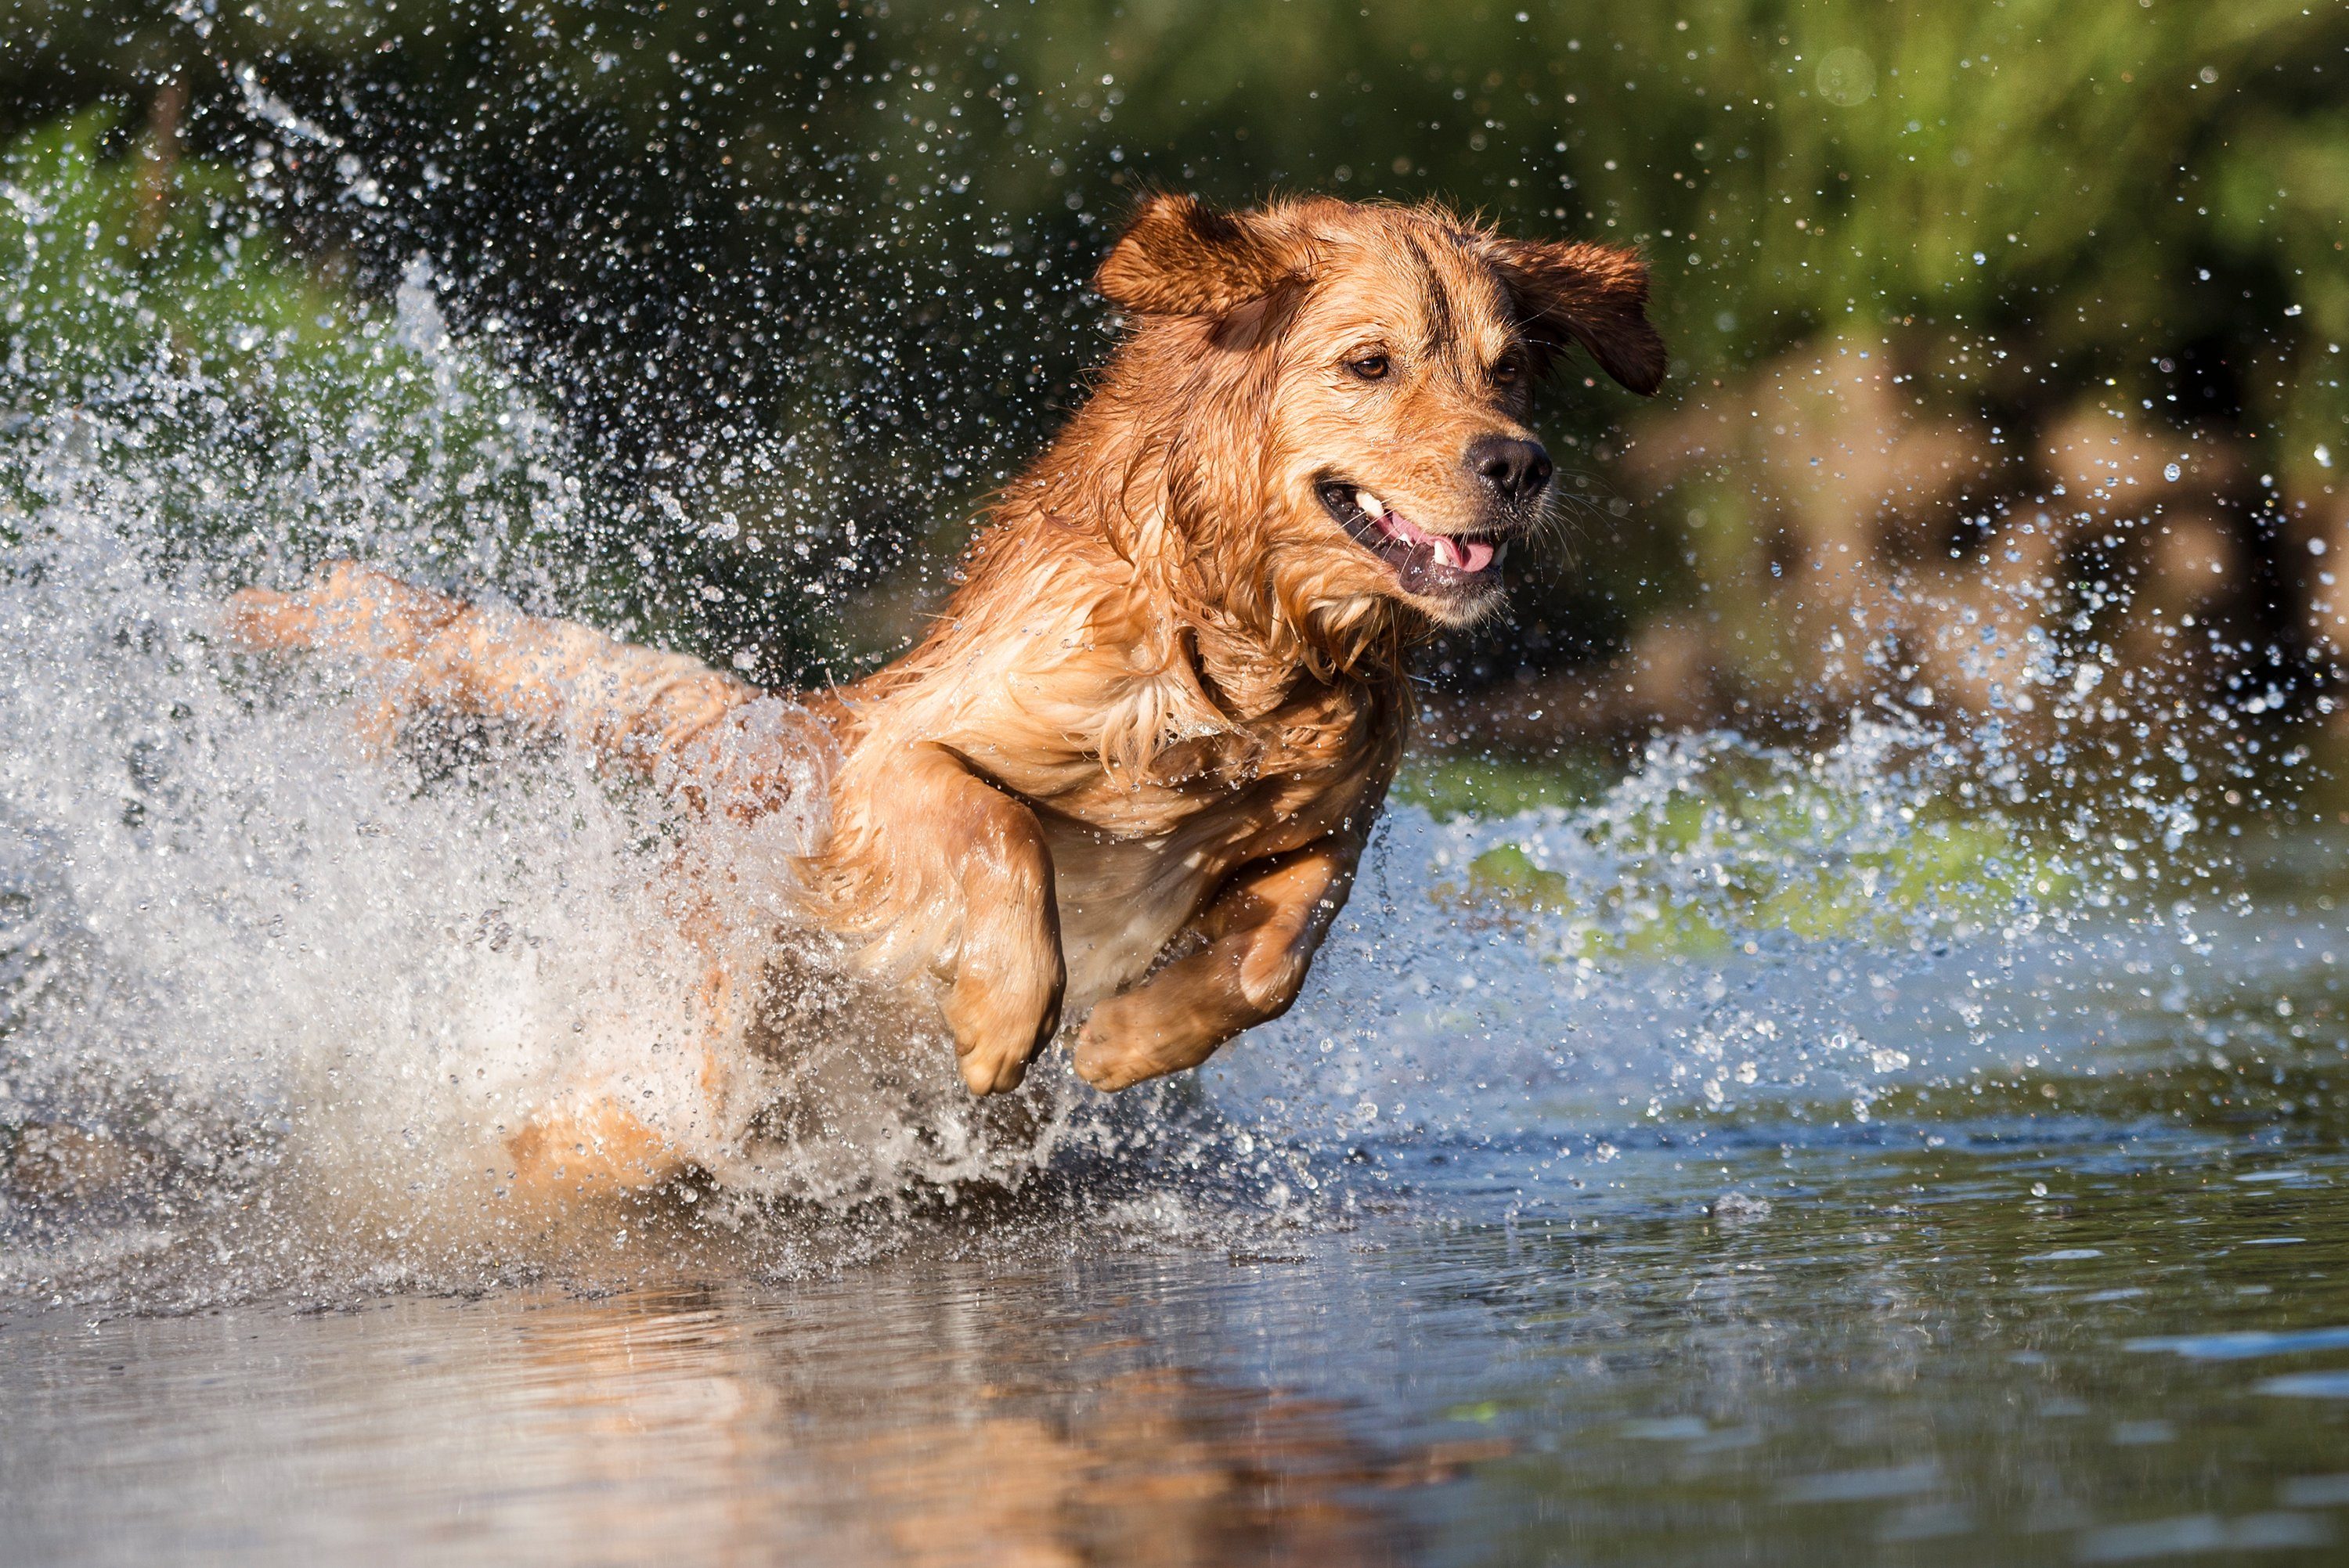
[{"x": 1354, "y": 385}]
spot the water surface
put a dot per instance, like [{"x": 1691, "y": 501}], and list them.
[{"x": 2095, "y": 1310}]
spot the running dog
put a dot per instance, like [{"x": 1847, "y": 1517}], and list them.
[{"x": 1128, "y": 775}]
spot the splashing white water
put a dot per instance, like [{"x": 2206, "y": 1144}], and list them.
[{"x": 242, "y": 943}]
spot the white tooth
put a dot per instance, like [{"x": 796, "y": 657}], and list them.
[
  {"x": 1372, "y": 505},
  {"x": 1454, "y": 556},
  {"x": 1500, "y": 553}
]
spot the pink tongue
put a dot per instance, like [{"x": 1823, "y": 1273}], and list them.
[{"x": 1469, "y": 555}]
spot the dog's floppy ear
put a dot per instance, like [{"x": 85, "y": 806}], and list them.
[
  {"x": 1596, "y": 295},
  {"x": 1179, "y": 257}
]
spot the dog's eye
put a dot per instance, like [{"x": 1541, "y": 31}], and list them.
[
  {"x": 1506, "y": 371},
  {"x": 1369, "y": 366}
]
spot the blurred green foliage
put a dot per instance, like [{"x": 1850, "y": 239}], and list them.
[
  {"x": 1449, "y": 787},
  {"x": 851, "y": 240},
  {"x": 1695, "y": 860}
]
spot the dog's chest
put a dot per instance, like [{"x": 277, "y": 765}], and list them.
[
  {"x": 1134, "y": 864},
  {"x": 1251, "y": 787}
]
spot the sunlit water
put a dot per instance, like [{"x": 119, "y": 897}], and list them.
[{"x": 1615, "y": 1192}]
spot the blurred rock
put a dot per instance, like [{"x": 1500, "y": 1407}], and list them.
[
  {"x": 2112, "y": 466},
  {"x": 1669, "y": 674},
  {"x": 1862, "y": 534}
]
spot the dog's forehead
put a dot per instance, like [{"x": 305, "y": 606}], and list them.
[{"x": 1407, "y": 273}]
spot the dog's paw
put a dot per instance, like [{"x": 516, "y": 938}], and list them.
[
  {"x": 993, "y": 1054},
  {"x": 590, "y": 1144},
  {"x": 1111, "y": 1058},
  {"x": 999, "y": 1027},
  {"x": 1110, "y": 1066},
  {"x": 348, "y": 609},
  {"x": 997, "y": 1069},
  {"x": 1142, "y": 1035}
]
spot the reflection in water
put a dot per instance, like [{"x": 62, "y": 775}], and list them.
[
  {"x": 1953, "y": 1341},
  {"x": 932, "y": 1421}
]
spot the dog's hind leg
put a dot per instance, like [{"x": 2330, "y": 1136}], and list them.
[
  {"x": 593, "y": 1140},
  {"x": 588, "y": 1144},
  {"x": 423, "y": 649},
  {"x": 1262, "y": 932},
  {"x": 663, "y": 714}
]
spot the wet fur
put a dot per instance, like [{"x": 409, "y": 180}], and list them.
[{"x": 1128, "y": 775}]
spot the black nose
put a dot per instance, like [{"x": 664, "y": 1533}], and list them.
[{"x": 1518, "y": 470}]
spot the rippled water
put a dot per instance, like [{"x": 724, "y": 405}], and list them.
[
  {"x": 2077, "y": 1291},
  {"x": 2090, "y": 1338}
]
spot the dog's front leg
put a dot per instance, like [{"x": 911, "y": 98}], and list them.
[
  {"x": 1005, "y": 999},
  {"x": 927, "y": 855},
  {"x": 1262, "y": 932}
]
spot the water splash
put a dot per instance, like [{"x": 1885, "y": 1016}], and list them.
[{"x": 254, "y": 968}]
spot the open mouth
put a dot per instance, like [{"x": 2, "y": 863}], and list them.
[{"x": 1439, "y": 564}]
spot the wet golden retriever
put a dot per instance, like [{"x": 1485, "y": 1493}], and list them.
[{"x": 1128, "y": 774}]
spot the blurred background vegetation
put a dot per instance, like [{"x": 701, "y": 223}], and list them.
[{"x": 2007, "y": 338}]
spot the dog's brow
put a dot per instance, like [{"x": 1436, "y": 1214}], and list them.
[
  {"x": 1439, "y": 300},
  {"x": 1486, "y": 303}
]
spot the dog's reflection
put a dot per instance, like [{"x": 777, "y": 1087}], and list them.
[{"x": 937, "y": 1434}]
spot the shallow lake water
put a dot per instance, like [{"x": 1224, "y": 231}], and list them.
[{"x": 2091, "y": 1310}]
